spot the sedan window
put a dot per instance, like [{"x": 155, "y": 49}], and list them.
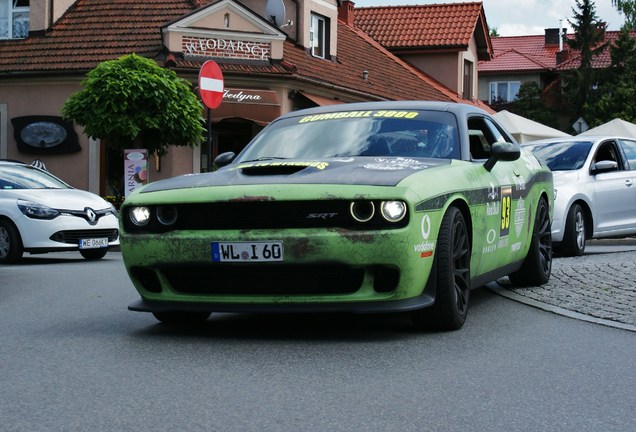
[
  {"x": 563, "y": 156},
  {"x": 629, "y": 147},
  {"x": 27, "y": 177}
]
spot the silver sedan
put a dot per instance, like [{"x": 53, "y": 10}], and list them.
[{"x": 595, "y": 188}]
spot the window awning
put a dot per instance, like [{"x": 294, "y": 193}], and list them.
[
  {"x": 320, "y": 100},
  {"x": 259, "y": 106}
]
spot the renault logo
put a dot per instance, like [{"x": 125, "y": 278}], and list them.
[{"x": 90, "y": 215}]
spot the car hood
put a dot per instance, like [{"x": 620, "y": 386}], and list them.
[
  {"x": 61, "y": 199},
  {"x": 376, "y": 171}
]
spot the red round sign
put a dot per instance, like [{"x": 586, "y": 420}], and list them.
[{"x": 211, "y": 84}]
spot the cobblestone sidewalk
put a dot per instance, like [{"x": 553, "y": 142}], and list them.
[{"x": 598, "y": 287}]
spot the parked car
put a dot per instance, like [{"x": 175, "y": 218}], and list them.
[
  {"x": 595, "y": 182},
  {"x": 40, "y": 213},
  {"x": 368, "y": 207}
]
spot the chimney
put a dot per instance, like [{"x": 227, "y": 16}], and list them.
[
  {"x": 346, "y": 13},
  {"x": 552, "y": 36}
]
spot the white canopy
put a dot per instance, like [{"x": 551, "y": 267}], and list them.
[
  {"x": 616, "y": 127},
  {"x": 524, "y": 129}
]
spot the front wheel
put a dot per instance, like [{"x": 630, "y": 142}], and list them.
[
  {"x": 451, "y": 271},
  {"x": 537, "y": 266},
  {"x": 574, "y": 237},
  {"x": 11, "y": 248}
]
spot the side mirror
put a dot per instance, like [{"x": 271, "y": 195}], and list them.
[
  {"x": 502, "y": 152},
  {"x": 224, "y": 159},
  {"x": 604, "y": 166}
]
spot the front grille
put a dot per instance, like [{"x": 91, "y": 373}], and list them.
[
  {"x": 264, "y": 279},
  {"x": 74, "y": 236},
  {"x": 243, "y": 215}
]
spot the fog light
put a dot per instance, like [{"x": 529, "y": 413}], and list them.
[
  {"x": 393, "y": 211},
  {"x": 139, "y": 216}
]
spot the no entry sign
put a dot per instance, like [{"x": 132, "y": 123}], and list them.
[{"x": 211, "y": 84}]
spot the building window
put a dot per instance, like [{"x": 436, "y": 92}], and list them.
[
  {"x": 468, "y": 80},
  {"x": 14, "y": 19},
  {"x": 318, "y": 36},
  {"x": 504, "y": 91}
]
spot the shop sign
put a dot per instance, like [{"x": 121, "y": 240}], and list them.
[{"x": 135, "y": 169}]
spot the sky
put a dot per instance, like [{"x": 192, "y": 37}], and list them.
[{"x": 521, "y": 17}]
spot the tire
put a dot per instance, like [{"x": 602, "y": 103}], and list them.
[
  {"x": 574, "y": 237},
  {"x": 94, "y": 254},
  {"x": 537, "y": 266},
  {"x": 451, "y": 270},
  {"x": 11, "y": 248},
  {"x": 181, "y": 318}
]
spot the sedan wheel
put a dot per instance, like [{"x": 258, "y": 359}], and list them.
[
  {"x": 574, "y": 237},
  {"x": 10, "y": 243},
  {"x": 451, "y": 271}
]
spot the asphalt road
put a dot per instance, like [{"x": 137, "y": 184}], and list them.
[{"x": 73, "y": 358}]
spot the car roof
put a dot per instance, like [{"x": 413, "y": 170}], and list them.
[{"x": 456, "y": 108}]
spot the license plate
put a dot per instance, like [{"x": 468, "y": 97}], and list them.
[
  {"x": 267, "y": 251},
  {"x": 93, "y": 243}
]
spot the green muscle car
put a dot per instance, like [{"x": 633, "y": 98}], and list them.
[{"x": 367, "y": 207}]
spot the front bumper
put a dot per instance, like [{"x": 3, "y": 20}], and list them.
[{"x": 323, "y": 269}]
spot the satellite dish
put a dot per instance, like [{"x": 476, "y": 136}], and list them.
[{"x": 275, "y": 12}]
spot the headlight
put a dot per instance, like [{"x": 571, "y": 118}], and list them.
[
  {"x": 362, "y": 211},
  {"x": 139, "y": 216},
  {"x": 37, "y": 211},
  {"x": 393, "y": 211},
  {"x": 167, "y": 215}
]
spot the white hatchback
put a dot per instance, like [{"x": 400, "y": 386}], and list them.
[
  {"x": 40, "y": 213},
  {"x": 595, "y": 188}
]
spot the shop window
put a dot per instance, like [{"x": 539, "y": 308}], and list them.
[
  {"x": 14, "y": 19},
  {"x": 504, "y": 91},
  {"x": 318, "y": 36}
]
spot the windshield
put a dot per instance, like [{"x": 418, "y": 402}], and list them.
[
  {"x": 563, "y": 156},
  {"x": 357, "y": 133},
  {"x": 28, "y": 177}
]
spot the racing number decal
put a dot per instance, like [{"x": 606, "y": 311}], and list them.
[{"x": 506, "y": 200}]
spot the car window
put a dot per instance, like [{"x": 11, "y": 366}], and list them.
[
  {"x": 629, "y": 148},
  {"x": 28, "y": 177},
  {"x": 563, "y": 156},
  {"x": 608, "y": 151},
  {"x": 482, "y": 133},
  {"x": 357, "y": 133}
]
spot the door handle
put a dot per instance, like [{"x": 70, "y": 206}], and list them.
[{"x": 628, "y": 182}]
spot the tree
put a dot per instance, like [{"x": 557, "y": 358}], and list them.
[
  {"x": 627, "y": 8},
  {"x": 530, "y": 104},
  {"x": 133, "y": 102},
  {"x": 589, "y": 34},
  {"x": 617, "y": 92},
  {"x": 493, "y": 32}
]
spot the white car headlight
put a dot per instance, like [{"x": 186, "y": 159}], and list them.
[
  {"x": 139, "y": 216},
  {"x": 37, "y": 211},
  {"x": 393, "y": 211}
]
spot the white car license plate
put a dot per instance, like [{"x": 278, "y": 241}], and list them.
[
  {"x": 247, "y": 251},
  {"x": 93, "y": 243}
]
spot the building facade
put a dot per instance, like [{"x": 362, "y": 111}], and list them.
[{"x": 276, "y": 56}]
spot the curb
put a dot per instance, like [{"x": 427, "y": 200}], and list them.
[{"x": 502, "y": 291}]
